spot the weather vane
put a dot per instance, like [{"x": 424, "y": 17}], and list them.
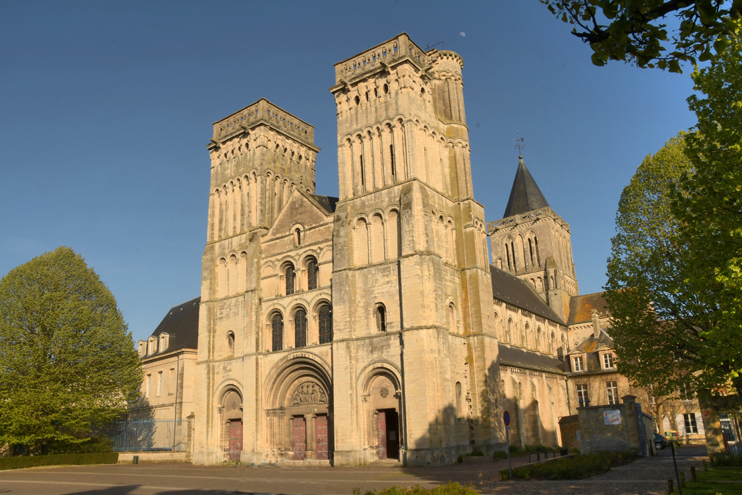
[{"x": 519, "y": 144}]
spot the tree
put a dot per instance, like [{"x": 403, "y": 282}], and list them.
[
  {"x": 675, "y": 273},
  {"x": 67, "y": 362},
  {"x": 708, "y": 205},
  {"x": 652, "y": 311},
  {"x": 636, "y": 32}
]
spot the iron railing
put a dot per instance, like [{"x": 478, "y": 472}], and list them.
[{"x": 149, "y": 435}]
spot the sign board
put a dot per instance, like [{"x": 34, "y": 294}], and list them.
[
  {"x": 612, "y": 417},
  {"x": 506, "y": 418}
]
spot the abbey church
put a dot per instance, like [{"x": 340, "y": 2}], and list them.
[{"x": 373, "y": 325}]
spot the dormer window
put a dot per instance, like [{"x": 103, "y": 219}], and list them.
[
  {"x": 578, "y": 364},
  {"x": 608, "y": 361},
  {"x": 164, "y": 341},
  {"x": 142, "y": 348},
  {"x": 151, "y": 346}
]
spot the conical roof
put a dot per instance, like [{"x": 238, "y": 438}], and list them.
[{"x": 525, "y": 195}]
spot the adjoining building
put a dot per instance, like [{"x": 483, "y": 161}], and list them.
[{"x": 372, "y": 325}]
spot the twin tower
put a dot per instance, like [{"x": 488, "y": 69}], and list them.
[{"x": 349, "y": 329}]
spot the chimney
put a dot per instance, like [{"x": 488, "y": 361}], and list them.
[{"x": 596, "y": 323}]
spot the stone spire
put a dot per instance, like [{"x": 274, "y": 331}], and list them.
[{"x": 525, "y": 195}]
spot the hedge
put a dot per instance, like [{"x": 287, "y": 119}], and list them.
[
  {"x": 57, "y": 459},
  {"x": 447, "y": 489},
  {"x": 572, "y": 468}
]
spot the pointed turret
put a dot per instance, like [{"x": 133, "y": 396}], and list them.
[{"x": 525, "y": 195}]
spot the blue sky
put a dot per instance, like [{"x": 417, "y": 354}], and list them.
[{"x": 106, "y": 109}]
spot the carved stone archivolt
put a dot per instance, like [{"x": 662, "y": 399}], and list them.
[{"x": 309, "y": 393}]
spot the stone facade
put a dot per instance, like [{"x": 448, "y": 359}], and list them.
[{"x": 373, "y": 325}]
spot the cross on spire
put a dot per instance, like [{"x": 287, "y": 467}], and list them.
[{"x": 519, "y": 144}]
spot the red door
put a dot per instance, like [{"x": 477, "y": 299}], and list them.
[
  {"x": 300, "y": 438},
  {"x": 381, "y": 433},
  {"x": 320, "y": 431},
  {"x": 235, "y": 440}
]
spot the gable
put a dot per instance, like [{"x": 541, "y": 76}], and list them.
[{"x": 299, "y": 209}]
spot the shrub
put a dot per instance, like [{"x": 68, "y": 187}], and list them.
[
  {"x": 447, "y": 489},
  {"x": 475, "y": 453},
  {"x": 499, "y": 455},
  {"x": 57, "y": 459},
  {"x": 572, "y": 468},
  {"x": 513, "y": 448},
  {"x": 726, "y": 460}
]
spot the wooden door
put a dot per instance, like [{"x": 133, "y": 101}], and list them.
[
  {"x": 299, "y": 427},
  {"x": 322, "y": 438},
  {"x": 381, "y": 433},
  {"x": 235, "y": 440}
]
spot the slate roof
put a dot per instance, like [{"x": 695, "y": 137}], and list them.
[
  {"x": 326, "y": 202},
  {"x": 591, "y": 347},
  {"x": 591, "y": 344},
  {"x": 520, "y": 358},
  {"x": 512, "y": 290},
  {"x": 181, "y": 324},
  {"x": 580, "y": 307},
  {"x": 525, "y": 195}
]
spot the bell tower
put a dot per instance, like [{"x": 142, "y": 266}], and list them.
[
  {"x": 411, "y": 267},
  {"x": 534, "y": 243}
]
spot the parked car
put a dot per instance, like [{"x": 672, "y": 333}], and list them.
[
  {"x": 659, "y": 441},
  {"x": 672, "y": 436}
]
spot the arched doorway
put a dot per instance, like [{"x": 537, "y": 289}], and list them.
[
  {"x": 231, "y": 413},
  {"x": 382, "y": 410},
  {"x": 300, "y": 417}
]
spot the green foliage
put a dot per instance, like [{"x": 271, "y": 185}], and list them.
[
  {"x": 649, "y": 305},
  {"x": 636, "y": 31},
  {"x": 674, "y": 286},
  {"x": 708, "y": 205},
  {"x": 499, "y": 455},
  {"x": 67, "y": 362},
  {"x": 57, "y": 460},
  {"x": 572, "y": 468},
  {"x": 726, "y": 460},
  {"x": 447, "y": 489}
]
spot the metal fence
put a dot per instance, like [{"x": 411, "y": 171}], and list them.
[{"x": 149, "y": 435}]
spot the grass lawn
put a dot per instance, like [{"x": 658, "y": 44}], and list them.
[{"x": 706, "y": 482}]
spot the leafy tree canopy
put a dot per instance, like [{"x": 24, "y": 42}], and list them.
[
  {"x": 67, "y": 362},
  {"x": 675, "y": 273},
  {"x": 649, "y": 309},
  {"x": 708, "y": 204},
  {"x": 636, "y": 31}
]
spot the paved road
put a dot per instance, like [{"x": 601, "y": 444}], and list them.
[{"x": 646, "y": 476}]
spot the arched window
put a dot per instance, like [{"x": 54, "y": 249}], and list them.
[
  {"x": 300, "y": 328},
  {"x": 311, "y": 274},
  {"x": 297, "y": 236},
  {"x": 230, "y": 343},
  {"x": 523, "y": 335},
  {"x": 551, "y": 344},
  {"x": 538, "y": 339},
  {"x": 381, "y": 318},
  {"x": 325, "y": 324},
  {"x": 508, "y": 331},
  {"x": 290, "y": 276},
  {"x": 277, "y": 333}
]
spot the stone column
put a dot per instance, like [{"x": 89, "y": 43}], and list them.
[{"x": 309, "y": 420}]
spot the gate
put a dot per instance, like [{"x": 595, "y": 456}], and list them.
[
  {"x": 300, "y": 438},
  {"x": 730, "y": 435},
  {"x": 322, "y": 439}
]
